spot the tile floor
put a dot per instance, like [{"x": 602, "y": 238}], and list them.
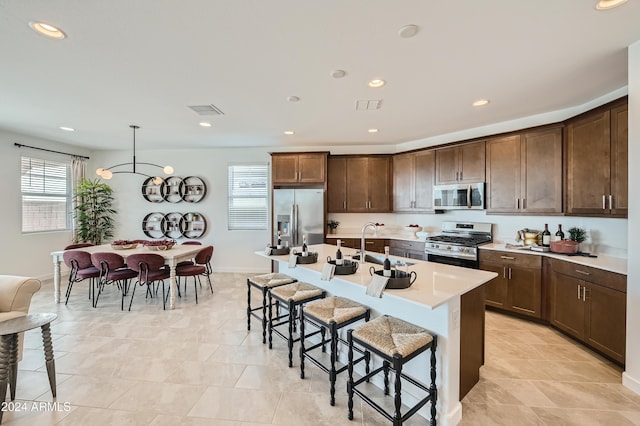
[{"x": 197, "y": 365}]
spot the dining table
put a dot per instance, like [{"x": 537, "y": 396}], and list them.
[{"x": 172, "y": 257}]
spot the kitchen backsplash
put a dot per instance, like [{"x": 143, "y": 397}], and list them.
[{"x": 604, "y": 235}]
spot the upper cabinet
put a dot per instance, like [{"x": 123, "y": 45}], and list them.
[
  {"x": 304, "y": 168},
  {"x": 524, "y": 173},
  {"x": 359, "y": 184},
  {"x": 461, "y": 164},
  {"x": 597, "y": 163},
  {"x": 413, "y": 179}
]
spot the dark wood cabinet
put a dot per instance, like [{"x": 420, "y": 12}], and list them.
[
  {"x": 372, "y": 244},
  {"x": 518, "y": 286},
  {"x": 463, "y": 163},
  {"x": 359, "y": 184},
  {"x": 413, "y": 179},
  {"x": 304, "y": 168},
  {"x": 597, "y": 163},
  {"x": 524, "y": 173},
  {"x": 408, "y": 249},
  {"x": 590, "y": 305}
]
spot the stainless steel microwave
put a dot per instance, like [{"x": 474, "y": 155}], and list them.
[{"x": 459, "y": 196}]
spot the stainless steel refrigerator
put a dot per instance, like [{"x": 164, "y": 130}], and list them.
[{"x": 298, "y": 212}]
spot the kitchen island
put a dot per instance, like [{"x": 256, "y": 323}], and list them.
[{"x": 446, "y": 300}]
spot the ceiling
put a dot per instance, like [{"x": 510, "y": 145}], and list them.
[{"x": 145, "y": 61}]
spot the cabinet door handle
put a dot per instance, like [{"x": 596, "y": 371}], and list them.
[
  {"x": 507, "y": 258},
  {"x": 509, "y": 273},
  {"x": 457, "y": 176},
  {"x": 504, "y": 272},
  {"x": 517, "y": 203},
  {"x": 524, "y": 203},
  {"x": 610, "y": 202},
  {"x": 584, "y": 294},
  {"x": 604, "y": 202},
  {"x": 460, "y": 175},
  {"x": 583, "y": 272},
  {"x": 344, "y": 204},
  {"x": 578, "y": 291}
]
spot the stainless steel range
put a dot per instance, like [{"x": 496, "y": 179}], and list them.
[{"x": 458, "y": 243}]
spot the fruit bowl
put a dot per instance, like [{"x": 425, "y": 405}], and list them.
[
  {"x": 123, "y": 245},
  {"x": 160, "y": 245}
]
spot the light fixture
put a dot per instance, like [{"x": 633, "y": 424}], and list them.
[
  {"x": 376, "y": 83},
  {"x": 481, "y": 102},
  {"x": 205, "y": 124},
  {"x": 408, "y": 31},
  {"x": 293, "y": 98},
  {"x": 609, "y": 4},
  {"x": 67, "y": 129},
  {"x": 108, "y": 174},
  {"x": 289, "y": 132},
  {"x": 47, "y": 30},
  {"x": 338, "y": 73},
  {"x": 373, "y": 130}
]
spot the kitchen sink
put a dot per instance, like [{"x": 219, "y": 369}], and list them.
[{"x": 379, "y": 260}]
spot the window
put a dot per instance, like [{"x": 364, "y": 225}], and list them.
[
  {"x": 248, "y": 196},
  {"x": 46, "y": 195}
]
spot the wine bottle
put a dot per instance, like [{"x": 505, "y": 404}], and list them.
[
  {"x": 305, "y": 249},
  {"x": 279, "y": 244},
  {"x": 386, "y": 268},
  {"x": 559, "y": 234},
  {"x": 546, "y": 236},
  {"x": 339, "y": 254}
]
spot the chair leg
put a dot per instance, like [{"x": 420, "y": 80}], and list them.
[
  {"x": 69, "y": 287},
  {"x": 133, "y": 293}
]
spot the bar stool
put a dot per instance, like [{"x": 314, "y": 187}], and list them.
[
  {"x": 264, "y": 283},
  {"x": 331, "y": 314},
  {"x": 396, "y": 342},
  {"x": 291, "y": 296}
]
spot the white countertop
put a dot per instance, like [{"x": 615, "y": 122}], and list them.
[
  {"x": 607, "y": 263},
  {"x": 435, "y": 284}
]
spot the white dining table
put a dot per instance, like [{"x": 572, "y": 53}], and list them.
[{"x": 172, "y": 257}]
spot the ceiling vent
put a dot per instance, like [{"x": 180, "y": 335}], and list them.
[
  {"x": 368, "y": 104},
  {"x": 210, "y": 109}
]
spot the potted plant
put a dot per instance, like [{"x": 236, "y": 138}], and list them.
[
  {"x": 332, "y": 224},
  {"x": 93, "y": 212},
  {"x": 577, "y": 234}
]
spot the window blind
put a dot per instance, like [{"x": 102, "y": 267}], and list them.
[
  {"x": 46, "y": 195},
  {"x": 248, "y": 196}
]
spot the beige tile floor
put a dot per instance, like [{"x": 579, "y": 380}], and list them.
[{"x": 197, "y": 365}]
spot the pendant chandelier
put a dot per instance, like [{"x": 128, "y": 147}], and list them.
[{"x": 107, "y": 173}]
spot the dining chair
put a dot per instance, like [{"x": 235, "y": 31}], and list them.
[
  {"x": 81, "y": 269},
  {"x": 78, "y": 245},
  {"x": 202, "y": 266},
  {"x": 113, "y": 270},
  {"x": 150, "y": 269}
]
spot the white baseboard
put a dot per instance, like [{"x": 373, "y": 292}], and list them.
[{"x": 631, "y": 382}]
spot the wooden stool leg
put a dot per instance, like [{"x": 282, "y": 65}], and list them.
[
  {"x": 249, "y": 306},
  {"x": 48, "y": 357},
  {"x": 334, "y": 356},
  {"x": 292, "y": 319},
  {"x": 397, "y": 366},
  {"x": 350, "y": 373},
  {"x": 13, "y": 365},
  {"x": 264, "y": 315}
]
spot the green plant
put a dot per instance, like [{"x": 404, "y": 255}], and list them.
[
  {"x": 333, "y": 224},
  {"x": 577, "y": 234},
  {"x": 93, "y": 212}
]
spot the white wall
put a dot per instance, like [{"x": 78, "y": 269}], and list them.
[
  {"x": 25, "y": 254},
  {"x": 631, "y": 377}
]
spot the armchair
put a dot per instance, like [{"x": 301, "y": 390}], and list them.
[{"x": 15, "y": 298}]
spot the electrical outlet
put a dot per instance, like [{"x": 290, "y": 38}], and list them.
[{"x": 455, "y": 319}]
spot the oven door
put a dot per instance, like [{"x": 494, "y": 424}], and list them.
[
  {"x": 455, "y": 261},
  {"x": 458, "y": 197}
]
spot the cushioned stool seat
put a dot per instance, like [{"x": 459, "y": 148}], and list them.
[
  {"x": 331, "y": 314},
  {"x": 396, "y": 342},
  {"x": 263, "y": 283},
  {"x": 291, "y": 296}
]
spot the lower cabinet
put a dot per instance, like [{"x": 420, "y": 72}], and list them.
[
  {"x": 517, "y": 288},
  {"x": 589, "y": 304},
  {"x": 408, "y": 249},
  {"x": 372, "y": 244}
]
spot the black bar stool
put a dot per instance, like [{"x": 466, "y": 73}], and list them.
[
  {"x": 396, "y": 342},
  {"x": 331, "y": 314},
  {"x": 264, "y": 283},
  {"x": 291, "y": 296}
]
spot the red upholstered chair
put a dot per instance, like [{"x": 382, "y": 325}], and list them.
[
  {"x": 78, "y": 245},
  {"x": 202, "y": 266},
  {"x": 188, "y": 262},
  {"x": 113, "y": 270},
  {"x": 81, "y": 269},
  {"x": 150, "y": 268}
]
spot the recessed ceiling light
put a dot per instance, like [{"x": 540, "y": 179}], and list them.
[
  {"x": 609, "y": 4},
  {"x": 205, "y": 124},
  {"x": 481, "y": 102},
  {"x": 377, "y": 83},
  {"x": 373, "y": 130},
  {"x": 293, "y": 98},
  {"x": 67, "y": 129},
  {"x": 289, "y": 132},
  {"x": 47, "y": 30},
  {"x": 408, "y": 31},
  {"x": 338, "y": 73}
]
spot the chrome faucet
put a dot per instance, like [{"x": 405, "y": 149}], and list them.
[{"x": 362, "y": 241}]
